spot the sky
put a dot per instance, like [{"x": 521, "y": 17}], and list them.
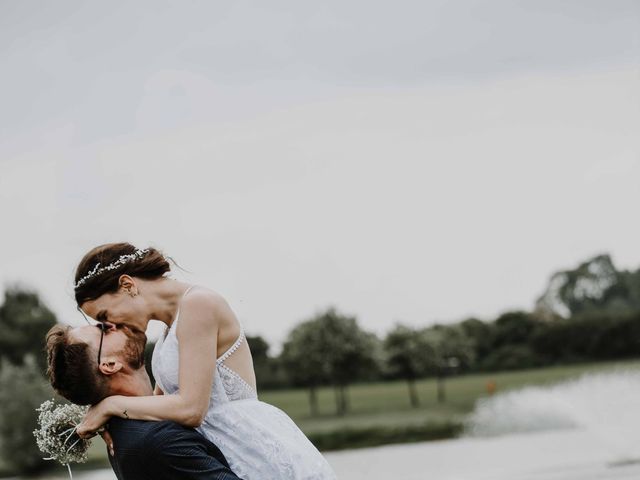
[{"x": 409, "y": 161}]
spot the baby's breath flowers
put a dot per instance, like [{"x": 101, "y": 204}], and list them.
[{"x": 56, "y": 433}]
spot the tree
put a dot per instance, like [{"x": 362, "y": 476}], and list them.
[
  {"x": 305, "y": 360},
  {"x": 513, "y": 334},
  {"x": 592, "y": 336},
  {"x": 354, "y": 354},
  {"x": 261, "y": 361},
  {"x": 594, "y": 286},
  {"x": 482, "y": 335},
  {"x": 330, "y": 348},
  {"x": 259, "y": 349},
  {"x": 408, "y": 356},
  {"x": 453, "y": 349},
  {"x": 268, "y": 369},
  {"x": 22, "y": 390},
  {"x": 24, "y": 321},
  {"x": 514, "y": 328}
]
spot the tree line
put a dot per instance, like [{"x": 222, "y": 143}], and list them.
[{"x": 332, "y": 349}]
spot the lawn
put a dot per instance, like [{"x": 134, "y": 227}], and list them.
[{"x": 386, "y": 405}]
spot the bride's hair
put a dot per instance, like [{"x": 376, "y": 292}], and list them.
[{"x": 99, "y": 270}]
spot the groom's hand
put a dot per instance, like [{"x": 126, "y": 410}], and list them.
[{"x": 106, "y": 436}]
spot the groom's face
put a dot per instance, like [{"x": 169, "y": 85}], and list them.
[{"x": 119, "y": 342}]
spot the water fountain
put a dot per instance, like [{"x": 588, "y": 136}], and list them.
[{"x": 605, "y": 407}]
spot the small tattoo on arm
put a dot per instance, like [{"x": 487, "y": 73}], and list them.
[{"x": 126, "y": 415}]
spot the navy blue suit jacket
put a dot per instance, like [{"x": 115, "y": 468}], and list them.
[{"x": 164, "y": 451}]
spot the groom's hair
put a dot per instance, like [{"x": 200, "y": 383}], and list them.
[{"x": 72, "y": 369}]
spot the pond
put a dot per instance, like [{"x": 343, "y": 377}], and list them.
[{"x": 575, "y": 454}]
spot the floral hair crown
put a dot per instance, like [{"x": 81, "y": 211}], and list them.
[{"x": 97, "y": 270}]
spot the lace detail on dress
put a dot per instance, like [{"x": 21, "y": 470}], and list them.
[{"x": 235, "y": 386}]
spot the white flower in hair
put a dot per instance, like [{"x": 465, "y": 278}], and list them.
[{"x": 96, "y": 270}]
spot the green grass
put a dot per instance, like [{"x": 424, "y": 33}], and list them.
[
  {"x": 380, "y": 413},
  {"x": 386, "y": 405}
]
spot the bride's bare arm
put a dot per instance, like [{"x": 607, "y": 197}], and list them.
[{"x": 200, "y": 316}]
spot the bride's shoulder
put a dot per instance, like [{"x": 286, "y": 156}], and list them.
[{"x": 203, "y": 299}]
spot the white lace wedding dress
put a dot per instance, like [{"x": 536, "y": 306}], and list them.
[{"x": 259, "y": 440}]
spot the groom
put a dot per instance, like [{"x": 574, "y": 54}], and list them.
[{"x": 87, "y": 365}]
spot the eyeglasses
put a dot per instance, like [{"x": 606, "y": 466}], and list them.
[{"x": 102, "y": 328}]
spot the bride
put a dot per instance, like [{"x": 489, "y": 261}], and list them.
[{"x": 202, "y": 365}]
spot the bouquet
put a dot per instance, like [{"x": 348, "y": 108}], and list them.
[{"x": 56, "y": 433}]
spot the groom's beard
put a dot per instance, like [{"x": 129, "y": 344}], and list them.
[{"x": 133, "y": 351}]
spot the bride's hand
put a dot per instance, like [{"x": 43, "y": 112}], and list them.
[{"x": 95, "y": 419}]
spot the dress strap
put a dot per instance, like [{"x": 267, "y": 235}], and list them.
[
  {"x": 233, "y": 348},
  {"x": 180, "y": 304}
]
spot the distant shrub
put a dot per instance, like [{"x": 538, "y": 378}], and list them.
[
  {"x": 511, "y": 357},
  {"x": 594, "y": 336},
  {"x": 22, "y": 390},
  {"x": 379, "y": 435}
]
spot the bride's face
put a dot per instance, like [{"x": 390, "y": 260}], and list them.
[{"x": 118, "y": 308}]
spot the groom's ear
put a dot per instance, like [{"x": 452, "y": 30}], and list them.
[{"x": 110, "y": 365}]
